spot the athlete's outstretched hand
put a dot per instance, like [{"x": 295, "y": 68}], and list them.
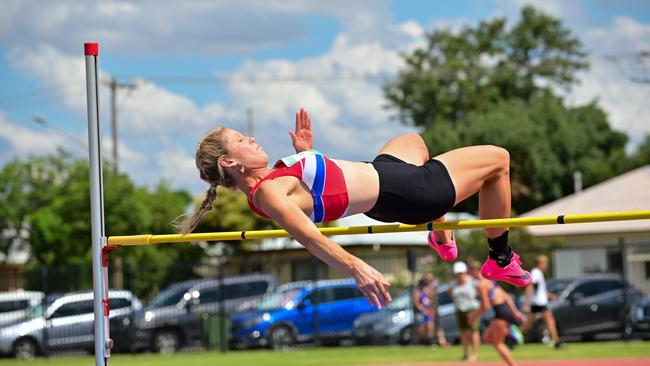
[
  {"x": 302, "y": 138},
  {"x": 372, "y": 284}
]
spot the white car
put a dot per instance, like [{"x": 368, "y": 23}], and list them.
[{"x": 14, "y": 305}]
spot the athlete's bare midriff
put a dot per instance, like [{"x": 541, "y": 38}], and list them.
[{"x": 362, "y": 182}]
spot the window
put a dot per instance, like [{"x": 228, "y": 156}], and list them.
[
  {"x": 14, "y": 305},
  {"x": 345, "y": 293},
  {"x": 257, "y": 288},
  {"x": 74, "y": 308},
  {"x": 119, "y": 303},
  {"x": 647, "y": 270},
  {"x": 321, "y": 295},
  {"x": 169, "y": 296},
  {"x": 444, "y": 299},
  {"x": 615, "y": 261},
  {"x": 208, "y": 295},
  {"x": 592, "y": 288}
]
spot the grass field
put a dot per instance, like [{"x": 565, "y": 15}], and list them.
[{"x": 338, "y": 356}]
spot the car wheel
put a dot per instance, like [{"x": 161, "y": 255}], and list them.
[
  {"x": 166, "y": 342},
  {"x": 25, "y": 349},
  {"x": 281, "y": 337},
  {"x": 406, "y": 335}
]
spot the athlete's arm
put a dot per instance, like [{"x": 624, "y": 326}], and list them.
[
  {"x": 513, "y": 307},
  {"x": 528, "y": 293},
  {"x": 302, "y": 138},
  {"x": 417, "y": 303},
  {"x": 285, "y": 212},
  {"x": 485, "y": 303}
]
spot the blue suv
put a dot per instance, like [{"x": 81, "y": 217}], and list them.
[{"x": 298, "y": 311}]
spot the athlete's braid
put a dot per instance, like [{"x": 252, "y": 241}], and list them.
[{"x": 208, "y": 152}]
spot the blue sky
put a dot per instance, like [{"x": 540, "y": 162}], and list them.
[{"x": 331, "y": 55}]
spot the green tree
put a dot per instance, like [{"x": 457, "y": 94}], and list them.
[
  {"x": 642, "y": 154},
  {"x": 49, "y": 198},
  {"x": 493, "y": 84}
]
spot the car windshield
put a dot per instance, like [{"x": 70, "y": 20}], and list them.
[
  {"x": 35, "y": 311},
  {"x": 558, "y": 285},
  {"x": 402, "y": 301},
  {"x": 170, "y": 296},
  {"x": 278, "y": 299}
]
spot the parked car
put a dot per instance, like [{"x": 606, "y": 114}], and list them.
[
  {"x": 394, "y": 323},
  {"x": 587, "y": 307},
  {"x": 174, "y": 318},
  {"x": 66, "y": 322},
  {"x": 15, "y": 304},
  {"x": 301, "y": 312}
]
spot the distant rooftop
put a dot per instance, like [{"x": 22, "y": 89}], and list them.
[
  {"x": 627, "y": 192},
  {"x": 404, "y": 238}
]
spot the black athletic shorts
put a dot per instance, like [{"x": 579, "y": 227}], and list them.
[
  {"x": 537, "y": 308},
  {"x": 503, "y": 312},
  {"x": 411, "y": 194}
]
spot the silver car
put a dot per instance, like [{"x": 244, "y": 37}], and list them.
[
  {"x": 65, "y": 323},
  {"x": 15, "y": 304}
]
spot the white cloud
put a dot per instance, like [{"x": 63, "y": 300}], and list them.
[
  {"x": 27, "y": 141},
  {"x": 194, "y": 27},
  {"x": 177, "y": 167}
]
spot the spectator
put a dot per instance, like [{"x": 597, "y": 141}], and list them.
[
  {"x": 437, "y": 329},
  {"x": 424, "y": 311},
  {"x": 536, "y": 301},
  {"x": 465, "y": 293}
]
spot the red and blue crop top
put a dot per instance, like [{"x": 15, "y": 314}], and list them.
[{"x": 322, "y": 176}]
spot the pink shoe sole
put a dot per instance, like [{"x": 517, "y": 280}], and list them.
[
  {"x": 447, "y": 251},
  {"x": 512, "y": 273}
]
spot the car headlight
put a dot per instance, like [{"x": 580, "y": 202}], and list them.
[
  {"x": 398, "y": 317},
  {"x": 639, "y": 313},
  {"x": 148, "y": 316}
]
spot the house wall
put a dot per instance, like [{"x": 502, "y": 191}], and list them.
[
  {"x": 389, "y": 260},
  {"x": 589, "y": 253}
]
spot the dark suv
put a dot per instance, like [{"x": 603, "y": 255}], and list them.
[
  {"x": 174, "y": 318},
  {"x": 588, "y": 307}
]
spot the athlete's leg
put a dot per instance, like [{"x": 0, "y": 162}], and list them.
[
  {"x": 484, "y": 169},
  {"x": 530, "y": 320},
  {"x": 412, "y": 149},
  {"x": 497, "y": 338},
  {"x": 548, "y": 317}
]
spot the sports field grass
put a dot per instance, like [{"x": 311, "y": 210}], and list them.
[{"x": 338, "y": 356}]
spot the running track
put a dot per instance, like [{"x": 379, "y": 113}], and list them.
[{"x": 608, "y": 362}]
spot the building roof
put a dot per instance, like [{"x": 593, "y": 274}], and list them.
[
  {"x": 626, "y": 192},
  {"x": 404, "y": 238}
]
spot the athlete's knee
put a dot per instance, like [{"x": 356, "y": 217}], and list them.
[{"x": 500, "y": 158}]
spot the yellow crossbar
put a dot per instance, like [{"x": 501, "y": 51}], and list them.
[{"x": 146, "y": 239}]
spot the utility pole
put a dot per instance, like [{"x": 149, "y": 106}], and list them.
[
  {"x": 118, "y": 277},
  {"x": 251, "y": 123},
  {"x": 114, "y": 85}
]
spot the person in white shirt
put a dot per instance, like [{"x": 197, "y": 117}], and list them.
[
  {"x": 465, "y": 296},
  {"x": 536, "y": 300}
]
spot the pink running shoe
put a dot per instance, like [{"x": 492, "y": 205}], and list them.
[
  {"x": 447, "y": 251},
  {"x": 512, "y": 273}
]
